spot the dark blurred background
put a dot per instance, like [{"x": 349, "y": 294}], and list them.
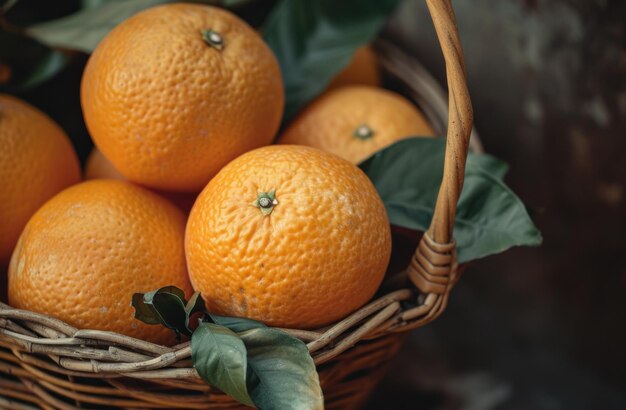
[{"x": 534, "y": 328}]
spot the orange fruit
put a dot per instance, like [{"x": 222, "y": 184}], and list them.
[
  {"x": 355, "y": 122},
  {"x": 177, "y": 91},
  {"x": 37, "y": 160},
  {"x": 362, "y": 70},
  {"x": 288, "y": 235},
  {"x": 98, "y": 167},
  {"x": 87, "y": 250}
]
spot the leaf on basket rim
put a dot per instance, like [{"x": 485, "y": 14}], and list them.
[
  {"x": 236, "y": 324},
  {"x": 285, "y": 374},
  {"x": 149, "y": 296},
  {"x": 220, "y": 357},
  {"x": 490, "y": 218},
  {"x": 143, "y": 311},
  {"x": 279, "y": 370},
  {"x": 253, "y": 363},
  {"x": 167, "y": 306},
  {"x": 195, "y": 304}
]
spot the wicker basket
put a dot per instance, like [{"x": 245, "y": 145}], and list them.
[{"x": 45, "y": 363}]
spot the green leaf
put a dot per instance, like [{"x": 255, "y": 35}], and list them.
[
  {"x": 236, "y": 324},
  {"x": 145, "y": 312},
  {"x": 167, "y": 306},
  {"x": 88, "y": 4},
  {"x": 171, "y": 309},
  {"x": 84, "y": 30},
  {"x": 490, "y": 217},
  {"x": 286, "y": 377},
  {"x": 491, "y": 164},
  {"x": 230, "y": 4},
  {"x": 166, "y": 289},
  {"x": 219, "y": 356},
  {"x": 194, "y": 305},
  {"x": 280, "y": 371},
  {"x": 30, "y": 62},
  {"x": 314, "y": 40}
]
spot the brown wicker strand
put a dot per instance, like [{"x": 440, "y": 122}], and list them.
[
  {"x": 46, "y": 399},
  {"x": 332, "y": 333},
  {"x": 99, "y": 336},
  {"x": 53, "y": 366},
  {"x": 351, "y": 340},
  {"x": 8, "y": 404},
  {"x": 433, "y": 268},
  {"x": 7, "y": 312},
  {"x": 460, "y": 119}
]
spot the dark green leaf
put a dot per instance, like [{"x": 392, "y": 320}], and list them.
[
  {"x": 285, "y": 375},
  {"x": 236, "y": 324},
  {"x": 29, "y": 62},
  {"x": 229, "y": 4},
  {"x": 194, "y": 305},
  {"x": 167, "y": 306},
  {"x": 495, "y": 218},
  {"x": 84, "y": 30},
  {"x": 171, "y": 309},
  {"x": 314, "y": 40},
  {"x": 219, "y": 356},
  {"x": 88, "y": 4},
  {"x": 281, "y": 373},
  {"x": 490, "y": 217},
  {"x": 491, "y": 164},
  {"x": 166, "y": 289},
  {"x": 144, "y": 312}
]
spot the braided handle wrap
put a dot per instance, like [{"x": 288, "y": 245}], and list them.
[{"x": 433, "y": 268}]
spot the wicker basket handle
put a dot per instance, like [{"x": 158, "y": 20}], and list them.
[{"x": 433, "y": 268}]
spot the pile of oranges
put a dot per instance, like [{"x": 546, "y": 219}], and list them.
[{"x": 182, "y": 102}]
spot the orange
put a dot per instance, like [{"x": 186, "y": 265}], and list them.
[
  {"x": 362, "y": 70},
  {"x": 288, "y": 235},
  {"x": 174, "y": 93},
  {"x": 98, "y": 167},
  {"x": 355, "y": 122},
  {"x": 37, "y": 160},
  {"x": 87, "y": 250}
]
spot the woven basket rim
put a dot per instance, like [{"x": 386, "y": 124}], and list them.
[{"x": 397, "y": 311}]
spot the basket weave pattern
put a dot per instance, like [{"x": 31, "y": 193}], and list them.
[
  {"x": 45, "y": 363},
  {"x": 47, "y": 375}
]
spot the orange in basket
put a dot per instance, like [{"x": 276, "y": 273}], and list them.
[
  {"x": 354, "y": 122},
  {"x": 288, "y": 235},
  {"x": 87, "y": 250}
]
